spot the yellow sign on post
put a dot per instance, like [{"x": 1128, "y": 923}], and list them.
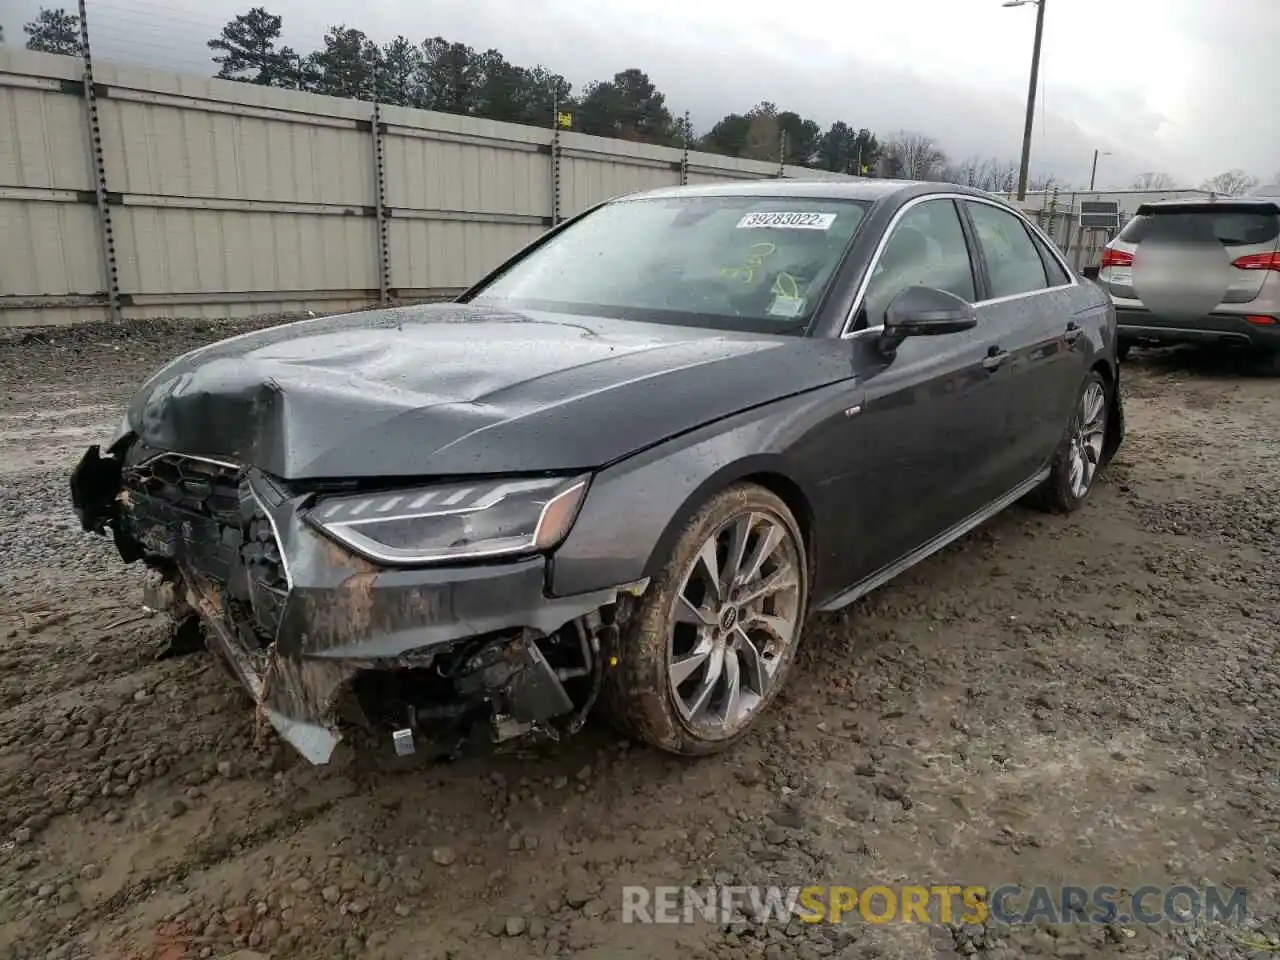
[{"x": 564, "y": 120}]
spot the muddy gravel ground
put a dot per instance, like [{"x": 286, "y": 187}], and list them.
[{"x": 1052, "y": 700}]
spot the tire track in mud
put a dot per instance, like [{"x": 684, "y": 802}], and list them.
[{"x": 203, "y": 857}]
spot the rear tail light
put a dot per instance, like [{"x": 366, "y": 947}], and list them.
[
  {"x": 1261, "y": 320},
  {"x": 1116, "y": 258},
  {"x": 1258, "y": 261}
]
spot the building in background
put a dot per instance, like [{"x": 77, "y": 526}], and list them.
[{"x": 1128, "y": 200}]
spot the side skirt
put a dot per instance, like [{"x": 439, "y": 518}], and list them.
[{"x": 885, "y": 574}]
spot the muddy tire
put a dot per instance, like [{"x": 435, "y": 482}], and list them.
[
  {"x": 1268, "y": 363},
  {"x": 658, "y": 690},
  {"x": 1078, "y": 460}
]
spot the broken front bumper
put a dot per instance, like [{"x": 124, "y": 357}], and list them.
[{"x": 297, "y": 616}]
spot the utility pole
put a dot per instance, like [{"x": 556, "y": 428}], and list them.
[
  {"x": 1093, "y": 174},
  {"x": 1024, "y": 169}
]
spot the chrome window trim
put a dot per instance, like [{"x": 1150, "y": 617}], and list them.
[{"x": 846, "y": 334}]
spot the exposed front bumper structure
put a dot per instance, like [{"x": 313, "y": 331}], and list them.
[{"x": 302, "y": 621}]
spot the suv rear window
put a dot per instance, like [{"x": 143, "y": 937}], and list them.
[{"x": 1233, "y": 228}]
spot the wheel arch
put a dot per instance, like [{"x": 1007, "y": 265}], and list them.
[
  {"x": 1115, "y": 408},
  {"x": 767, "y": 471}
]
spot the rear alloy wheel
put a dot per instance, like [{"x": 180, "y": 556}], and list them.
[
  {"x": 716, "y": 632},
  {"x": 1075, "y": 466}
]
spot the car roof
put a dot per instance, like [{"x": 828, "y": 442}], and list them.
[{"x": 868, "y": 190}]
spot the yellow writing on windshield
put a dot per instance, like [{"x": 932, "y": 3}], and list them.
[
  {"x": 786, "y": 286},
  {"x": 757, "y": 253}
]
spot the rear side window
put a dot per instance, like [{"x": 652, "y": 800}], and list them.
[
  {"x": 1013, "y": 263},
  {"x": 1057, "y": 276},
  {"x": 1231, "y": 228}
]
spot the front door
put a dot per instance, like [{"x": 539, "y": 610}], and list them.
[{"x": 928, "y": 433}]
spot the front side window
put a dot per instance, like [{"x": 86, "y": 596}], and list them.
[
  {"x": 747, "y": 263},
  {"x": 926, "y": 249},
  {"x": 1013, "y": 265}
]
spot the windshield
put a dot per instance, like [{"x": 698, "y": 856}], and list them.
[{"x": 733, "y": 262}]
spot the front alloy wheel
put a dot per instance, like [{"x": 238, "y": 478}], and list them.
[
  {"x": 717, "y": 630},
  {"x": 733, "y": 622}
]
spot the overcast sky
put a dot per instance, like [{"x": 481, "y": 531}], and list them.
[{"x": 1186, "y": 87}]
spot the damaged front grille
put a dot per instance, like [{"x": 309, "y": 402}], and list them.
[{"x": 202, "y": 516}]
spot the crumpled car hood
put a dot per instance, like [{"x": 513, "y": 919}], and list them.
[{"x": 452, "y": 390}]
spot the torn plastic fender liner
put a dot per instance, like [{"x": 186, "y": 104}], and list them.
[{"x": 297, "y": 697}]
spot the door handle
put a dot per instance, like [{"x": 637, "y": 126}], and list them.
[
  {"x": 995, "y": 358},
  {"x": 1073, "y": 332}
]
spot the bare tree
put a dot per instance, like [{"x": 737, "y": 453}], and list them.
[
  {"x": 1152, "y": 181},
  {"x": 1044, "y": 184},
  {"x": 1231, "y": 183},
  {"x": 966, "y": 172},
  {"x": 992, "y": 174},
  {"x": 916, "y": 156}
]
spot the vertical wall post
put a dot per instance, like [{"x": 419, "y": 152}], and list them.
[
  {"x": 555, "y": 157},
  {"x": 380, "y": 194},
  {"x": 106, "y": 236},
  {"x": 782, "y": 154},
  {"x": 684, "y": 154}
]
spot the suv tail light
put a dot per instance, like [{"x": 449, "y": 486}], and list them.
[
  {"x": 1257, "y": 261},
  {"x": 1116, "y": 258}
]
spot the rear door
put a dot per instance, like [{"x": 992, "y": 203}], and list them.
[
  {"x": 1192, "y": 258},
  {"x": 1028, "y": 305}
]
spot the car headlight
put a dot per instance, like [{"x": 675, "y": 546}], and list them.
[{"x": 457, "y": 521}]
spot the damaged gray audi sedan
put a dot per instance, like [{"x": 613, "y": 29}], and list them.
[{"x": 621, "y": 469}]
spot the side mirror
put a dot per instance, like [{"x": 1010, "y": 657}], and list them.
[
  {"x": 924, "y": 312},
  {"x": 1090, "y": 272}
]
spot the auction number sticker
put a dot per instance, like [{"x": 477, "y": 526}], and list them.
[{"x": 787, "y": 221}]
